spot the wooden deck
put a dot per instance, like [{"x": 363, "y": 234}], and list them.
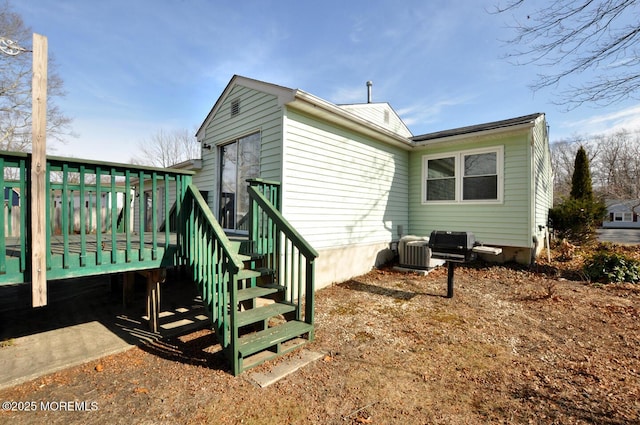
[
  {"x": 86, "y": 255},
  {"x": 95, "y": 218}
]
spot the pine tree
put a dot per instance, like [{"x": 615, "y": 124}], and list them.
[
  {"x": 577, "y": 217},
  {"x": 581, "y": 187}
]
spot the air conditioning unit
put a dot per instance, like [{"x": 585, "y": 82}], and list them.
[{"x": 414, "y": 253}]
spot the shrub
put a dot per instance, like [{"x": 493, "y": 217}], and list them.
[
  {"x": 609, "y": 267},
  {"x": 577, "y": 219}
]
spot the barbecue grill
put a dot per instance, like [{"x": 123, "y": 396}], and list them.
[
  {"x": 452, "y": 246},
  {"x": 456, "y": 247}
]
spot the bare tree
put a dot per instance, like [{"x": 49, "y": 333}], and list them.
[
  {"x": 617, "y": 166},
  {"x": 15, "y": 89},
  {"x": 614, "y": 159},
  {"x": 164, "y": 149},
  {"x": 580, "y": 36},
  {"x": 563, "y": 154}
]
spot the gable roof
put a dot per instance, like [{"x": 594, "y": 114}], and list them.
[
  {"x": 525, "y": 121},
  {"x": 313, "y": 105},
  {"x": 358, "y": 117},
  {"x": 380, "y": 113},
  {"x": 284, "y": 95},
  {"x": 622, "y": 204}
]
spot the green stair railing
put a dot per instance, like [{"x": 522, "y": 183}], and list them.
[
  {"x": 284, "y": 250},
  {"x": 218, "y": 270},
  {"x": 214, "y": 263}
]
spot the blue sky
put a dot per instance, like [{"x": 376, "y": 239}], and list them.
[{"x": 132, "y": 68}]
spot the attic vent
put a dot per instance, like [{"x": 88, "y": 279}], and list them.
[
  {"x": 235, "y": 107},
  {"x": 386, "y": 117}
]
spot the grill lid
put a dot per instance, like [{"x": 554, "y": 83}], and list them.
[
  {"x": 448, "y": 240},
  {"x": 452, "y": 246}
]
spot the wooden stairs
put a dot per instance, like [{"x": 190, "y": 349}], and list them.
[
  {"x": 258, "y": 290},
  {"x": 268, "y": 325}
]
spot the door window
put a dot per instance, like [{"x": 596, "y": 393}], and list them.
[{"x": 239, "y": 161}]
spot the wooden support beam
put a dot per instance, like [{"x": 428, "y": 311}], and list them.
[
  {"x": 154, "y": 279},
  {"x": 38, "y": 173}
]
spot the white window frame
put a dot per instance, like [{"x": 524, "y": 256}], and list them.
[
  {"x": 459, "y": 166},
  {"x": 623, "y": 217}
]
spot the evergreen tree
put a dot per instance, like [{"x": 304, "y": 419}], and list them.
[
  {"x": 577, "y": 217},
  {"x": 581, "y": 187}
]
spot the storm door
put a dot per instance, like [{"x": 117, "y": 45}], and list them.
[{"x": 239, "y": 161}]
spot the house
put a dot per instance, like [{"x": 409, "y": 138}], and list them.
[
  {"x": 622, "y": 214},
  {"x": 354, "y": 179}
]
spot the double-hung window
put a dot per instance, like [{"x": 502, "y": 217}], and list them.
[
  {"x": 465, "y": 176},
  {"x": 623, "y": 216}
]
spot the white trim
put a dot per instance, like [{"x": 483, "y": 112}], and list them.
[
  {"x": 622, "y": 215},
  {"x": 240, "y": 136},
  {"x": 284, "y": 198},
  {"x": 458, "y": 157}
]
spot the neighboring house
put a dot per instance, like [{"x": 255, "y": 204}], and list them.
[
  {"x": 11, "y": 211},
  {"x": 354, "y": 179},
  {"x": 91, "y": 213},
  {"x": 622, "y": 214}
]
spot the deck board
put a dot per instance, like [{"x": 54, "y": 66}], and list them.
[{"x": 87, "y": 262}]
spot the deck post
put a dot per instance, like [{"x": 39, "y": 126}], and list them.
[
  {"x": 154, "y": 279},
  {"x": 38, "y": 173}
]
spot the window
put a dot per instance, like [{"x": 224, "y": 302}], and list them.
[
  {"x": 467, "y": 176},
  {"x": 619, "y": 216},
  {"x": 239, "y": 161},
  {"x": 480, "y": 179},
  {"x": 441, "y": 179}
]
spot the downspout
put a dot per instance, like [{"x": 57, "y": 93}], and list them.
[{"x": 532, "y": 198}]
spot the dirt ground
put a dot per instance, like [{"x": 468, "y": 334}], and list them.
[{"x": 514, "y": 345}]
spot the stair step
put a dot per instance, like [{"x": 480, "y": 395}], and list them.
[
  {"x": 248, "y": 274},
  {"x": 257, "y": 272},
  {"x": 258, "y": 314},
  {"x": 252, "y": 256},
  {"x": 244, "y": 258},
  {"x": 257, "y": 292},
  {"x": 253, "y": 343}
]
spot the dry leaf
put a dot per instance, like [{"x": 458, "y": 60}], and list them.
[
  {"x": 141, "y": 390},
  {"x": 364, "y": 420},
  {"x": 99, "y": 367}
]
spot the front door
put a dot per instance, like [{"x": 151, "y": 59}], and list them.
[{"x": 239, "y": 161}]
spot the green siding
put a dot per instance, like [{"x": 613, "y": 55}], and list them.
[
  {"x": 259, "y": 111},
  {"x": 505, "y": 224},
  {"x": 341, "y": 188},
  {"x": 543, "y": 183}
]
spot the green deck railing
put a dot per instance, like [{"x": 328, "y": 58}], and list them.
[
  {"x": 101, "y": 217},
  {"x": 13, "y": 220}
]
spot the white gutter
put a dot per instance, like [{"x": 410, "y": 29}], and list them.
[
  {"x": 464, "y": 137},
  {"x": 315, "y": 106}
]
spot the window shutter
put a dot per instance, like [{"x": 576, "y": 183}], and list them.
[
  {"x": 635, "y": 217},
  {"x": 610, "y": 216}
]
